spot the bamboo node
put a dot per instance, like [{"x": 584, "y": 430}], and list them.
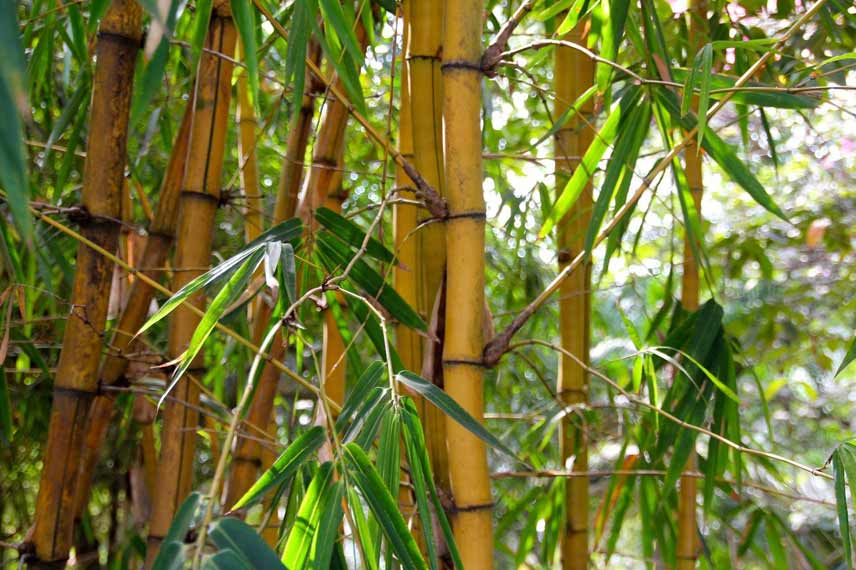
[
  {"x": 121, "y": 39},
  {"x": 464, "y": 215},
  {"x": 461, "y": 64},
  {"x": 463, "y": 362},
  {"x": 472, "y": 508}
]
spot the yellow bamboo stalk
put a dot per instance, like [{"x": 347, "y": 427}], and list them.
[
  {"x": 158, "y": 242},
  {"x": 688, "y": 543},
  {"x": 247, "y": 125},
  {"x": 573, "y": 74},
  {"x": 423, "y": 58},
  {"x": 76, "y": 378},
  {"x": 249, "y": 454},
  {"x": 462, "y": 354},
  {"x": 198, "y": 206},
  {"x": 408, "y": 344}
]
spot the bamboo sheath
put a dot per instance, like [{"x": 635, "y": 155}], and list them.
[
  {"x": 76, "y": 377},
  {"x": 198, "y": 207},
  {"x": 249, "y": 453},
  {"x": 574, "y": 73},
  {"x": 688, "y": 543},
  {"x": 465, "y": 241},
  {"x": 158, "y": 242},
  {"x": 424, "y": 47}
]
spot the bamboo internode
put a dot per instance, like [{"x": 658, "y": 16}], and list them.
[
  {"x": 198, "y": 207},
  {"x": 465, "y": 300},
  {"x": 76, "y": 377},
  {"x": 574, "y": 74}
]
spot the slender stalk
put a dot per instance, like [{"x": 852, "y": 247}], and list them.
[
  {"x": 423, "y": 61},
  {"x": 465, "y": 301},
  {"x": 574, "y": 73},
  {"x": 158, "y": 242},
  {"x": 76, "y": 377},
  {"x": 688, "y": 543},
  {"x": 198, "y": 206},
  {"x": 249, "y": 453},
  {"x": 247, "y": 125}
]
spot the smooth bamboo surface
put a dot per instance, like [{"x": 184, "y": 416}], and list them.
[
  {"x": 424, "y": 48},
  {"x": 574, "y": 73},
  {"x": 465, "y": 245},
  {"x": 198, "y": 207},
  {"x": 77, "y": 371}
]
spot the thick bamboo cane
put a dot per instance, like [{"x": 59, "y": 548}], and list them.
[
  {"x": 158, "y": 242},
  {"x": 198, "y": 207},
  {"x": 248, "y": 456},
  {"x": 574, "y": 73},
  {"x": 423, "y": 58},
  {"x": 688, "y": 544},
  {"x": 76, "y": 378},
  {"x": 465, "y": 300}
]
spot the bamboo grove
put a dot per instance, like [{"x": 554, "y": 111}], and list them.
[{"x": 427, "y": 284}]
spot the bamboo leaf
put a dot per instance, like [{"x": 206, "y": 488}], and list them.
[
  {"x": 297, "y": 553},
  {"x": 236, "y": 535},
  {"x": 13, "y": 101},
  {"x": 566, "y": 114},
  {"x": 285, "y": 466},
  {"x": 383, "y": 506},
  {"x": 225, "y": 560},
  {"x": 724, "y": 156},
  {"x": 245, "y": 21},
  {"x": 288, "y": 274},
  {"x": 705, "y": 65},
  {"x": 201, "y": 17},
  {"x": 368, "y": 380},
  {"x": 230, "y": 292},
  {"x": 584, "y": 171},
  {"x": 848, "y": 358},
  {"x": 352, "y": 234},
  {"x": 452, "y": 409},
  {"x": 171, "y": 554},
  {"x": 295, "y": 56},
  {"x": 841, "y": 507},
  {"x": 337, "y": 255},
  {"x": 755, "y": 93},
  {"x": 336, "y": 20}
]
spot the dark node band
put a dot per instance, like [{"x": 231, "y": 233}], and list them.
[{"x": 459, "y": 64}]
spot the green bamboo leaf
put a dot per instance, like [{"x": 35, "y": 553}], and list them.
[
  {"x": 619, "y": 172},
  {"x": 723, "y": 154},
  {"x": 230, "y": 292},
  {"x": 298, "y": 548},
  {"x": 347, "y": 70},
  {"x": 584, "y": 171},
  {"x": 70, "y": 111},
  {"x": 13, "y": 101},
  {"x": 295, "y": 56},
  {"x": 337, "y": 256},
  {"x": 327, "y": 537},
  {"x": 285, "y": 466},
  {"x": 225, "y": 560},
  {"x": 366, "y": 535},
  {"x": 288, "y": 274},
  {"x": 755, "y": 96},
  {"x": 337, "y": 21},
  {"x": 575, "y": 12},
  {"x": 452, "y": 409},
  {"x": 774, "y": 543},
  {"x": 841, "y": 506},
  {"x": 615, "y": 16},
  {"x": 288, "y": 231},
  {"x": 201, "y": 17},
  {"x": 383, "y": 506},
  {"x": 705, "y": 65},
  {"x": 245, "y": 21},
  {"x": 422, "y": 479},
  {"x": 848, "y": 358},
  {"x": 553, "y": 10},
  {"x": 171, "y": 554},
  {"x": 236, "y": 535},
  {"x": 350, "y": 233},
  {"x": 368, "y": 380}
]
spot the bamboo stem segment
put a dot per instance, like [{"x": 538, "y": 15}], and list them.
[
  {"x": 465, "y": 243},
  {"x": 76, "y": 378},
  {"x": 574, "y": 73},
  {"x": 198, "y": 207}
]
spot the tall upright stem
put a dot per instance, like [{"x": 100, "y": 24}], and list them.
[
  {"x": 687, "y": 550},
  {"x": 77, "y": 372},
  {"x": 424, "y": 47},
  {"x": 198, "y": 207},
  {"x": 574, "y": 73},
  {"x": 465, "y": 299}
]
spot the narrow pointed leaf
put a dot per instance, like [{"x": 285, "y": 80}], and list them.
[{"x": 236, "y": 535}]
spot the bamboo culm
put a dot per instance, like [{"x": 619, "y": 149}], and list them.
[
  {"x": 198, "y": 206},
  {"x": 574, "y": 73},
  {"x": 77, "y": 371},
  {"x": 463, "y": 370}
]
